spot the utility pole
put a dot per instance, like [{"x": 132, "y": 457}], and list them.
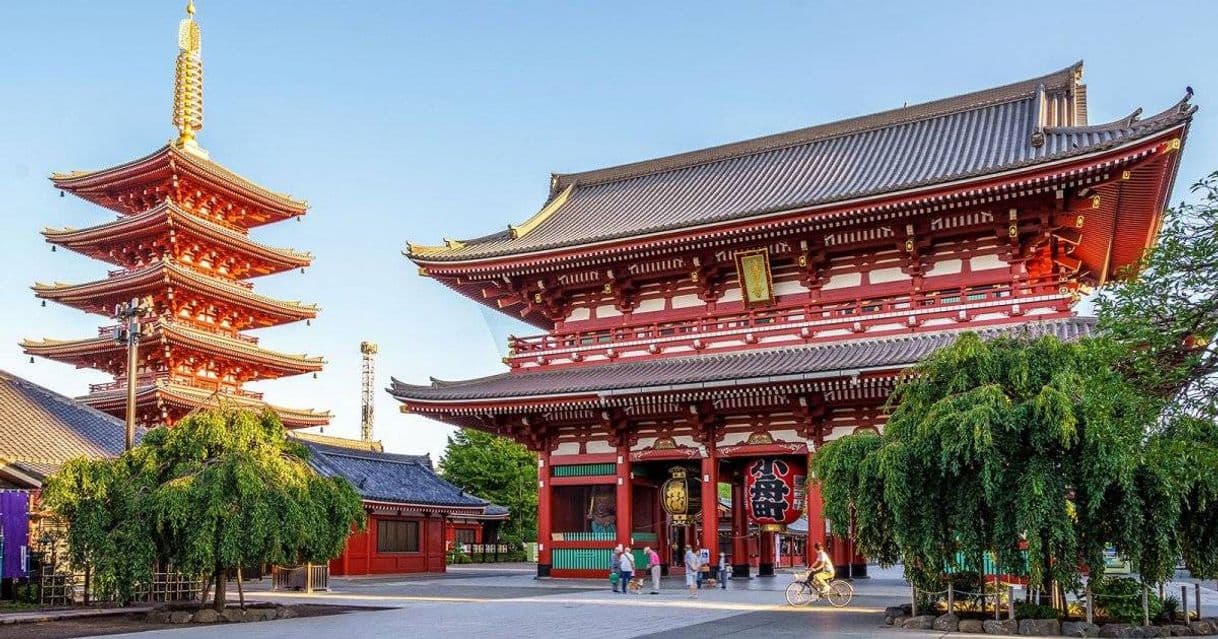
[
  {"x": 368, "y": 388},
  {"x": 130, "y": 314}
]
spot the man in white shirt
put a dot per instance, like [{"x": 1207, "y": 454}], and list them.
[{"x": 693, "y": 564}]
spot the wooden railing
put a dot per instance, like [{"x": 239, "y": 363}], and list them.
[{"x": 306, "y": 578}]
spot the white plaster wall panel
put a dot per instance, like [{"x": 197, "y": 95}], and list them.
[
  {"x": 561, "y": 360},
  {"x": 885, "y": 327},
  {"x": 989, "y": 316},
  {"x": 607, "y": 310},
  {"x": 580, "y": 314},
  {"x": 731, "y": 295},
  {"x": 686, "y": 301},
  {"x": 732, "y": 439},
  {"x": 650, "y": 305},
  {"x": 687, "y": 441},
  {"x": 946, "y": 267},
  {"x": 678, "y": 349},
  {"x": 1041, "y": 311},
  {"x": 882, "y": 275},
  {"x": 567, "y": 448},
  {"x": 834, "y": 333},
  {"x": 789, "y": 287},
  {"x": 941, "y": 321},
  {"x": 598, "y": 446},
  {"x": 843, "y": 280},
  {"x": 986, "y": 262},
  {"x": 643, "y": 444},
  {"x": 838, "y": 433},
  {"x": 777, "y": 338},
  {"x": 596, "y": 358},
  {"x": 785, "y": 435},
  {"x": 726, "y": 344}
]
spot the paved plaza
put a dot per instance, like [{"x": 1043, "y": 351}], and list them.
[{"x": 506, "y": 601}]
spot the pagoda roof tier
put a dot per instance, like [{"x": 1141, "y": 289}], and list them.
[
  {"x": 164, "y": 397},
  {"x": 108, "y": 354},
  {"x": 834, "y": 170},
  {"x": 131, "y": 240},
  {"x": 174, "y": 173},
  {"x": 698, "y": 377},
  {"x": 100, "y": 296}
]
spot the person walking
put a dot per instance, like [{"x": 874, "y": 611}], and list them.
[
  {"x": 626, "y": 568},
  {"x": 692, "y": 567},
  {"x": 653, "y": 565},
  {"x": 615, "y": 570}
]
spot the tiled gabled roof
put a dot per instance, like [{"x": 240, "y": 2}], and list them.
[
  {"x": 407, "y": 480},
  {"x": 742, "y": 368},
  {"x": 967, "y": 136},
  {"x": 41, "y": 429}
]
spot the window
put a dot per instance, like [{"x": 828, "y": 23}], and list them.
[
  {"x": 397, "y": 536},
  {"x": 465, "y": 536}
]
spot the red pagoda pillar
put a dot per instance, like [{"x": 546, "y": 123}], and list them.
[
  {"x": 740, "y": 531},
  {"x": 625, "y": 489},
  {"x": 710, "y": 506},
  {"x": 544, "y": 507}
]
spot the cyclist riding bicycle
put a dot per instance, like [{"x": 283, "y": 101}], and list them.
[{"x": 821, "y": 570}]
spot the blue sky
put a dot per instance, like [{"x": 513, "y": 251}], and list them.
[{"x": 414, "y": 121}]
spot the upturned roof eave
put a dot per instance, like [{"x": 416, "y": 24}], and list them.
[
  {"x": 73, "y": 181},
  {"x": 166, "y": 215}
]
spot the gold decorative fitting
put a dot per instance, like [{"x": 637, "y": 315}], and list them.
[
  {"x": 1078, "y": 221},
  {"x": 453, "y": 244},
  {"x": 693, "y": 276},
  {"x": 909, "y": 245},
  {"x": 1013, "y": 230},
  {"x": 1172, "y": 145},
  {"x": 404, "y": 409},
  {"x": 608, "y": 288},
  {"x": 803, "y": 260},
  {"x": 1095, "y": 201},
  {"x": 541, "y": 216},
  {"x": 188, "y": 83},
  {"x": 422, "y": 271},
  {"x": 1125, "y": 175},
  {"x": 536, "y": 298}
]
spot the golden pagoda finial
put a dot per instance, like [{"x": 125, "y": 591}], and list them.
[{"x": 188, "y": 82}]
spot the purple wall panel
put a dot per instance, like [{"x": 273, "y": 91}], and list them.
[{"x": 15, "y": 523}]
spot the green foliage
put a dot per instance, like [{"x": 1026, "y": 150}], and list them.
[
  {"x": 499, "y": 470},
  {"x": 1120, "y": 599},
  {"x": 1024, "y": 610},
  {"x": 221, "y": 489},
  {"x": 990, "y": 443}
]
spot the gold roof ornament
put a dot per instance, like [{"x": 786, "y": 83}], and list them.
[{"x": 188, "y": 83}]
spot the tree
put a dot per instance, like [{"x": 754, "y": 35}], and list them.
[
  {"x": 221, "y": 489},
  {"x": 994, "y": 445},
  {"x": 499, "y": 470}
]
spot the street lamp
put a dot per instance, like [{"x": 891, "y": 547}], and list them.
[{"x": 131, "y": 313}]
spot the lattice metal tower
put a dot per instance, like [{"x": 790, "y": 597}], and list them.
[{"x": 368, "y": 379}]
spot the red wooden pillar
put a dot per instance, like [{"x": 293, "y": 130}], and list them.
[
  {"x": 740, "y": 530},
  {"x": 710, "y": 506},
  {"x": 815, "y": 509},
  {"x": 545, "y": 496},
  {"x": 765, "y": 566},
  {"x": 625, "y": 490}
]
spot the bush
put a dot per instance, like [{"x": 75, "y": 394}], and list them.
[
  {"x": 1120, "y": 599},
  {"x": 1170, "y": 610},
  {"x": 1025, "y": 610},
  {"x": 456, "y": 556}
]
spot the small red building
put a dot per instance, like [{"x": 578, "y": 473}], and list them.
[{"x": 413, "y": 514}]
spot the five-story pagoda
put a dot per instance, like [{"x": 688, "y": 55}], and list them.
[{"x": 181, "y": 242}]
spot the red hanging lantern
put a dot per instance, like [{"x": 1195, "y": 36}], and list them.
[{"x": 774, "y": 491}]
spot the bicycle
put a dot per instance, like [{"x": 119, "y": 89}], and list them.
[{"x": 801, "y": 592}]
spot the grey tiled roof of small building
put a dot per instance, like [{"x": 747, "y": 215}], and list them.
[
  {"x": 389, "y": 477},
  {"x": 955, "y": 138},
  {"x": 743, "y": 368},
  {"x": 41, "y": 429}
]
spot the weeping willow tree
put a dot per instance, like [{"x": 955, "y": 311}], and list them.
[
  {"x": 1014, "y": 446},
  {"x": 1059, "y": 449},
  {"x": 221, "y": 489}
]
